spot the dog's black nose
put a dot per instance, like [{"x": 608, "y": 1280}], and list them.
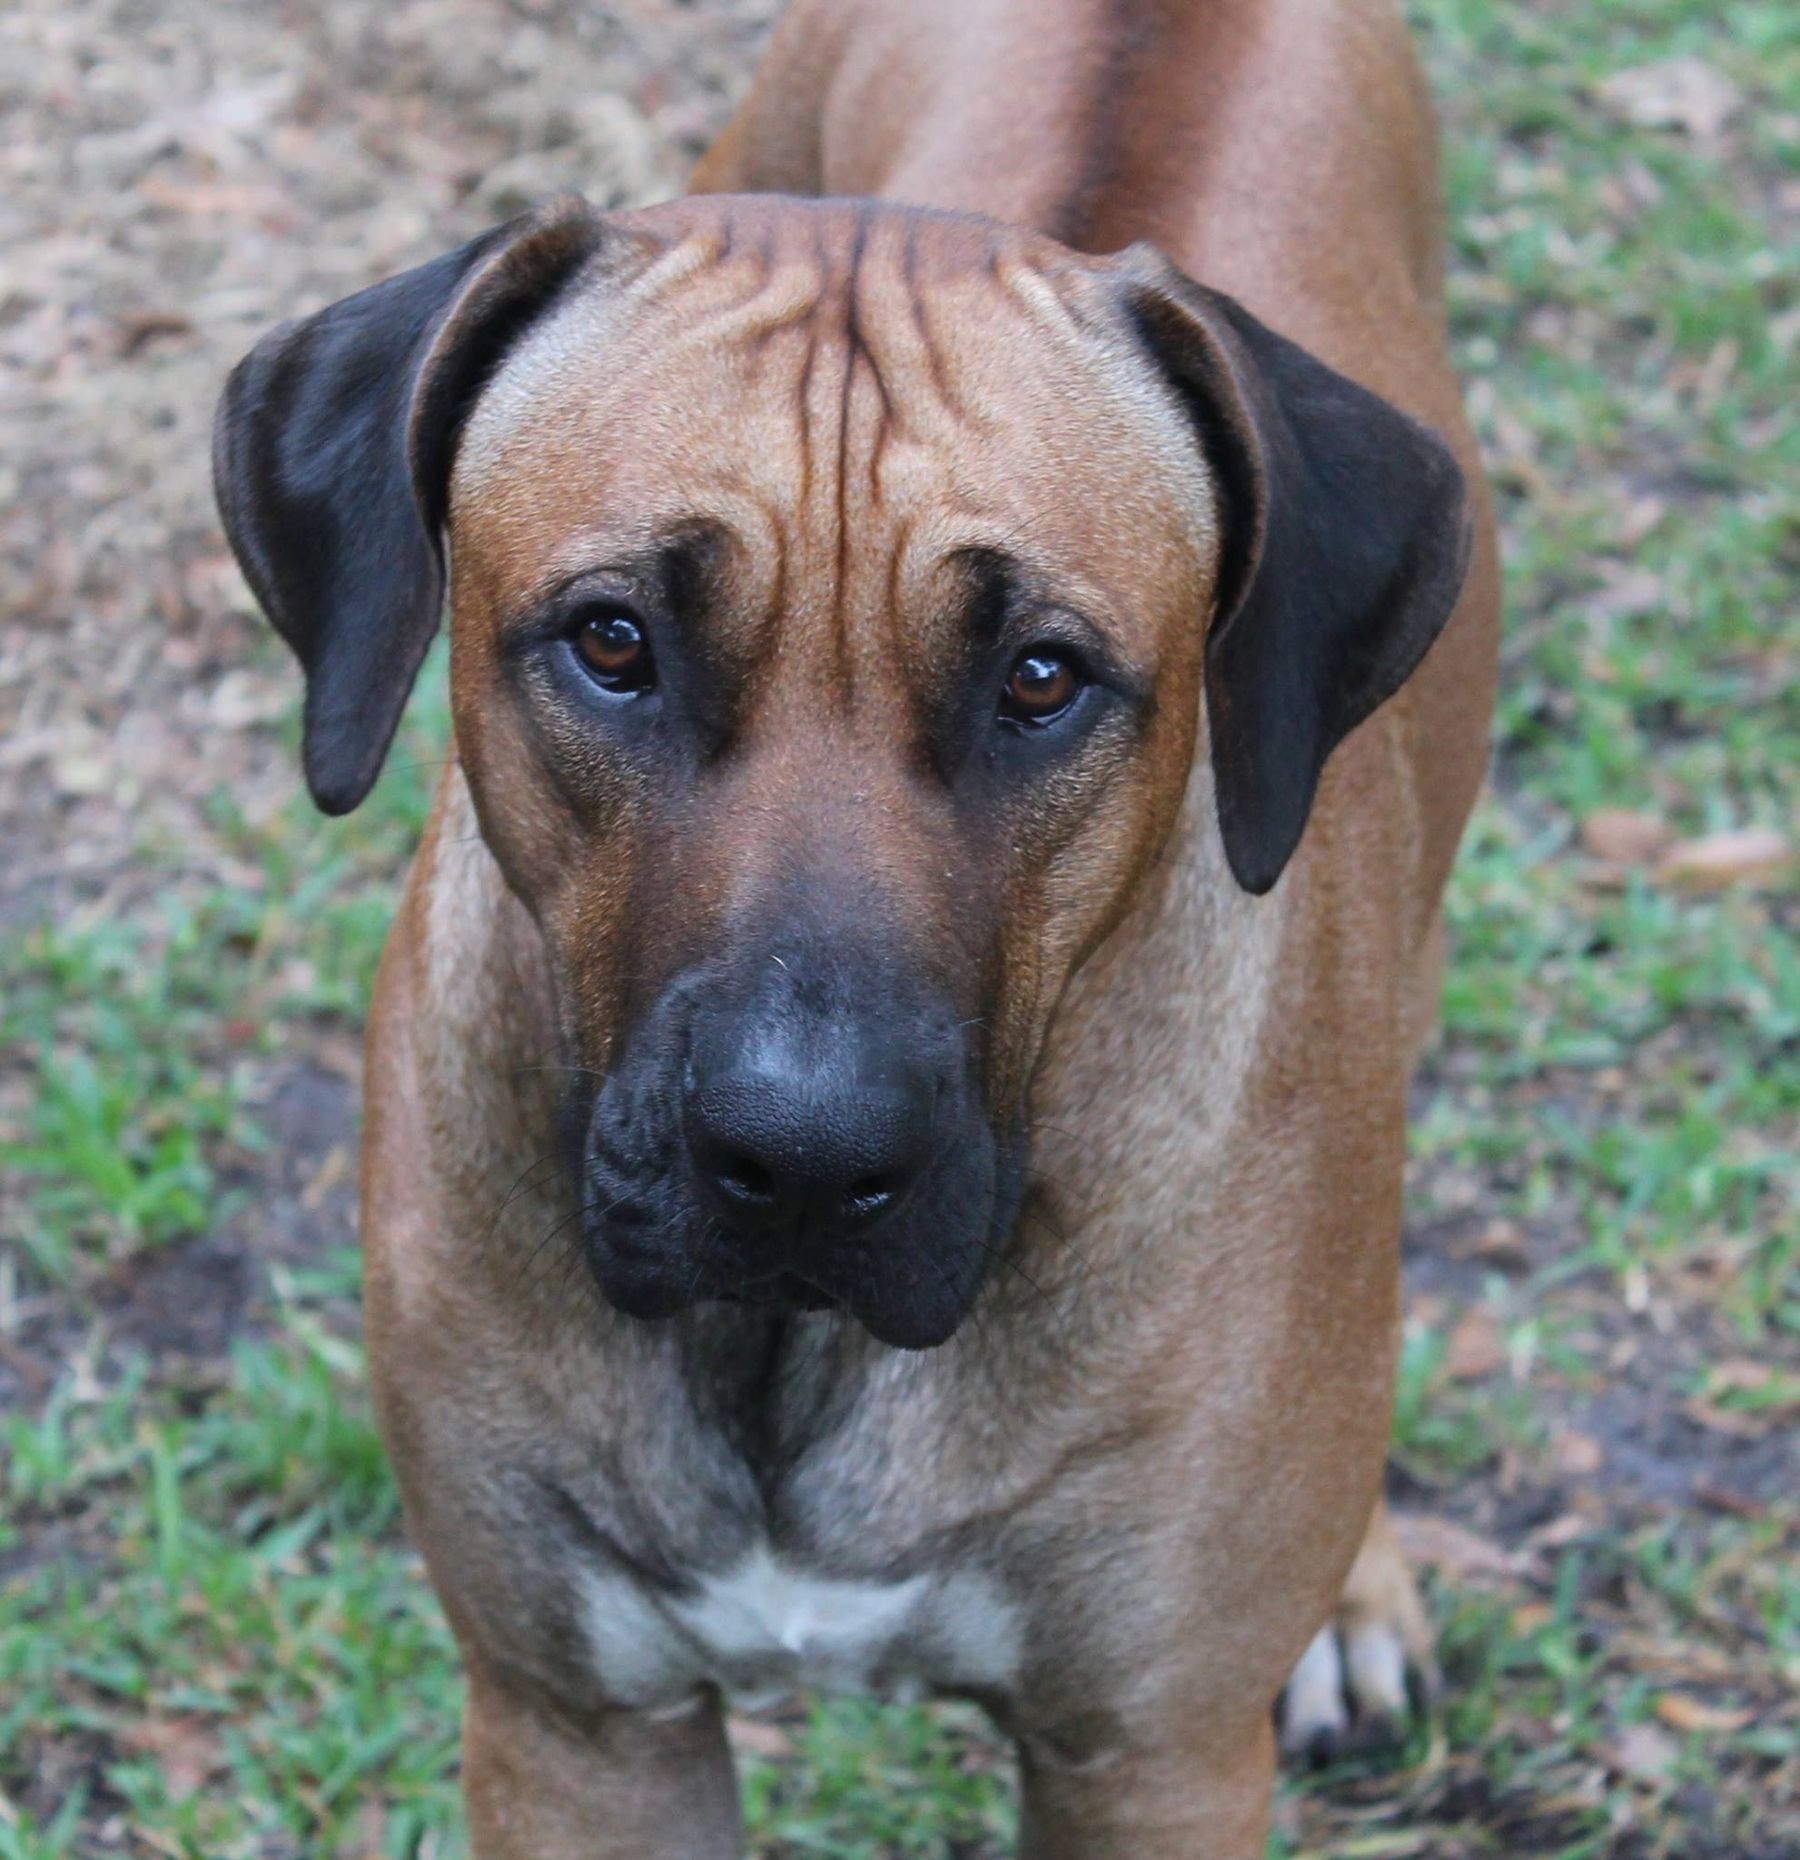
[{"x": 816, "y": 1149}]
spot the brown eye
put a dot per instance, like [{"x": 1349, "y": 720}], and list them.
[
  {"x": 615, "y": 652},
  {"x": 1041, "y": 687}
]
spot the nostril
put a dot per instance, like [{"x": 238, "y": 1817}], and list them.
[
  {"x": 744, "y": 1178},
  {"x": 869, "y": 1194}
]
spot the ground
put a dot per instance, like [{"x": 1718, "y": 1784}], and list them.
[{"x": 214, "y": 1640}]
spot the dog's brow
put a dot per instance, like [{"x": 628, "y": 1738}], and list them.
[
  {"x": 991, "y": 589},
  {"x": 671, "y": 559}
]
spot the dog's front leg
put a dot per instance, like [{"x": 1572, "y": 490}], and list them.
[
  {"x": 1170, "y": 1795},
  {"x": 627, "y": 1786}
]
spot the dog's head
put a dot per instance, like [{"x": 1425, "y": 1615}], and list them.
[{"x": 835, "y": 591}]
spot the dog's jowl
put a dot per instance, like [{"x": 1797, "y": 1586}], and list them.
[{"x": 971, "y": 641}]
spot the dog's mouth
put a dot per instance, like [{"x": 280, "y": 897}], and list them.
[
  {"x": 798, "y": 1131},
  {"x": 909, "y": 1288},
  {"x": 784, "y": 1291},
  {"x": 657, "y": 1248}
]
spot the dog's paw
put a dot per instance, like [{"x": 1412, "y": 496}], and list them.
[{"x": 1369, "y": 1668}]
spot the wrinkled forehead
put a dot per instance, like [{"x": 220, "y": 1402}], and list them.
[{"x": 795, "y": 372}]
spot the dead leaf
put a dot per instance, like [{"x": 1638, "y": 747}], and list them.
[
  {"x": 1674, "y": 93},
  {"x": 203, "y": 199},
  {"x": 1475, "y": 1349},
  {"x": 1502, "y": 1244},
  {"x": 1743, "y": 1373},
  {"x": 1642, "y": 516},
  {"x": 183, "y": 1749},
  {"x": 1578, "y": 1455},
  {"x": 1746, "y": 855},
  {"x": 1643, "y": 1751},
  {"x": 1684, "y": 1713},
  {"x": 1724, "y": 1498},
  {"x": 1627, "y": 590},
  {"x": 1776, "y": 1394},
  {"x": 1562, "y": 1531},
  {"x": 1621, "y": 836},
  {"x": 140, "y": 328},
  {"x": 1727, "y": 1420},
  {"x": 337, "y": 1167}
]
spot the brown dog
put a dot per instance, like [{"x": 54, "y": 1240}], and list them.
[{"x": 935, "y": 857}]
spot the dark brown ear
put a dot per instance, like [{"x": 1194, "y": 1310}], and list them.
[
  {"x": 1345, "y": 538},
  {"x": 332, "y": 451}
]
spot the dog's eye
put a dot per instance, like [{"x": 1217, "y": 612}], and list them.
[
  {"x": 614, "y": 651},
  {"x": 1040, "y": 687}
]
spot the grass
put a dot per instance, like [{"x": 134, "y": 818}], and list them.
[{"x": 213, "y": 1639}]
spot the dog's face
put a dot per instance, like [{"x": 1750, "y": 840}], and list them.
[
  {"x": 824, "y": 672},
  {"x": 831, "y": 607}
]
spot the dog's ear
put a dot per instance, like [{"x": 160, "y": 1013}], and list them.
[
  {"x": 332, "y": 452},
  {"x": 1344, "y": 541}
]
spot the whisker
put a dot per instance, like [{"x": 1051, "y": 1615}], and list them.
[
  {"x": 557, "y": 1227},
  {"x": 518, "y": 1188}
]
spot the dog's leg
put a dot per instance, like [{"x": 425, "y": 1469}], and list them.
[
  {"x": 628, "y": 1787},
  {"x": 1351, "y": 1689},
  {"x": 1173, "y": 1798}
]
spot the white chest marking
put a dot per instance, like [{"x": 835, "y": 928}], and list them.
[
  {"x": 763, "y": 1628},
  {"x": 761, "y": 1611}
]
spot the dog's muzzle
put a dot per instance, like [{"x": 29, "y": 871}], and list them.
[{"x": 800, "y": 1129}]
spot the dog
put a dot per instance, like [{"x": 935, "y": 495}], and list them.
[{"x": 973, "y": 636}]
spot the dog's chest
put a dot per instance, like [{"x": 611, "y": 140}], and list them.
[{"x": 765, "y": 1627}]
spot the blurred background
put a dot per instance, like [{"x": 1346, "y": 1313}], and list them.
[{"x": 214, "y": 1641}]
